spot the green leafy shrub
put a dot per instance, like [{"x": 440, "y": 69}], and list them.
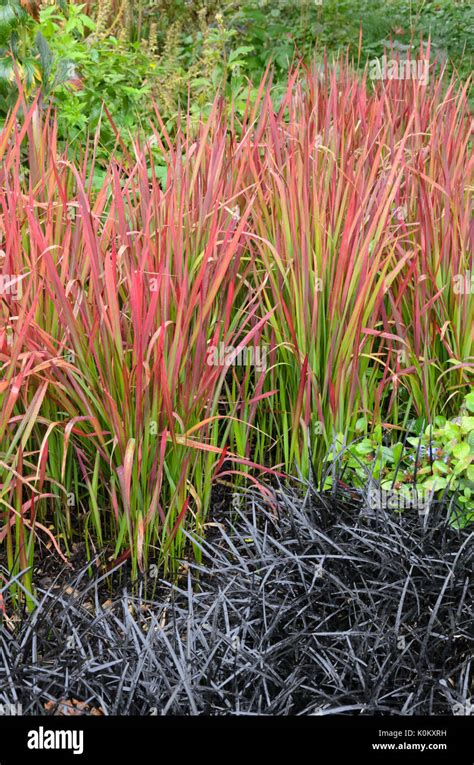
[
  {"x": 26, "y": 57},
  {"x": 18, "y": 51},
  {"x": 108, "y": 74},
  {"x": 128, "y": 77},
  {"x": 440, "y": 459}
]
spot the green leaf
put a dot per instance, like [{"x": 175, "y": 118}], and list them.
[
  {"x": 470, "y": 401},
  {"x": 461, "y": 451},
  {"x": 451, "y": 430},
  {"x": 365, "y": 447},
  {"x": 46, "y": 56},
  {"x": 7, "y": 16},
  {"x": 87, "y": 21},
  {"x": 30, "y": 72},
  {"x": 397, "y": 452},
  {"x": 65, "y": 71},
  {"x": 241, "y": 50},
  {"x": 63, "y": 5},
  {"x": 461, "y": 466},
  {"x": 387, "y": 454},
  {"x": 440, "y": 467},
  {"x": 415, "y": 441},
  {"x": 436, "y": 483},
  {"x": 7, "y": 71}
]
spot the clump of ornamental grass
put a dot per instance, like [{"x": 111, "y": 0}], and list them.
[
  {"x": 111, "y": 416},
  {"x": 364, "y": 249},
  {"x": 329, "y": 240}
]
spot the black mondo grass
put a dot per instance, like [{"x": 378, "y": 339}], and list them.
[{"x": 298, "y": 608}]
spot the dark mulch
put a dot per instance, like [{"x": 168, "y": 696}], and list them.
[{"x": 304, "y": 608}]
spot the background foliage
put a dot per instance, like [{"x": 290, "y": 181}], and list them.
[{"x": 127, "y": 54}]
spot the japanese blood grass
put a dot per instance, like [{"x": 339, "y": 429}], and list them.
[
  {"x": 362, "y": 225},
  {"x": 332, "y": 232},
  {"x": 107, "y": 371}
]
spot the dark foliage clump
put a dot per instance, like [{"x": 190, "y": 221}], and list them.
[{"x": 309, "y": 606}]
